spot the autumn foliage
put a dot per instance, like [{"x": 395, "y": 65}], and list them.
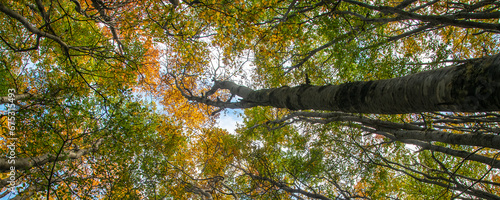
[{"x": 102, "y": 107}]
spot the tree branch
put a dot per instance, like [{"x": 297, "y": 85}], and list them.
[{"x": 28, "y": 163}]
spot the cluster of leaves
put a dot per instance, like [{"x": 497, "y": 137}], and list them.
[{"x": 75, "y": 69}]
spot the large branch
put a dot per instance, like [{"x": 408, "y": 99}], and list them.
[
  {"x": 481, "y": 140},
  {"x": 53, "y": 37},
  {"x": 452, "y": 20},
  {"x": 288, "y": 189},
  {"x": 30, "y": 27},
  {"x": 28, "y": 163},
  {"x": 204, "y": 194},
  {"x": 15, "y": 98},
  {"x": 406, "y": 133},
  {"x": 462, "y": 154}
]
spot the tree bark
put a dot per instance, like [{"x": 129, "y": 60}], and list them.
[
  {"x": 471, "y": 87},
  {"x": 17, "y": 97},
  {"x": 28, "y": 163},
  {"x": 288, "y": 189}
]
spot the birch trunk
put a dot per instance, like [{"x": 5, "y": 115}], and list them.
[{"x": 473, "y": 87}]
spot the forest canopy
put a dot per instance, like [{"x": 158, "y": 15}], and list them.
[{"x": 340, "y": 99}]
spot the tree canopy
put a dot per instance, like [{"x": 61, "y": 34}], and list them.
[{"x": 342, "y": 99}]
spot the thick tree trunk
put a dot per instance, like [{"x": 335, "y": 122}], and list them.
[{"x": 473, "y": 87}]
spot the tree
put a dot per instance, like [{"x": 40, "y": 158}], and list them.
[
  {"x": 464, "y": 88},
  {"x": 100, "y": 91},
  {"x": 69, "y": 71},
  {"x": 361, "y": 39}
]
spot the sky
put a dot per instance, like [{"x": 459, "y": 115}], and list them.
[{"x": 229, "y": 119}]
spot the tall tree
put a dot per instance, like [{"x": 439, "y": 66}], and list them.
[
  {"x": 316, "y": 46},
  {"x": 470, "y": 87},
  {"x": 102, "y": 114}
]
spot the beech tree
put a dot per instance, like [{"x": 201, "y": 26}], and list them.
[
  {"x": 428, "y": 150},
  {"x": 342, "y": 99},
  {"x": 470, "y": 87}
]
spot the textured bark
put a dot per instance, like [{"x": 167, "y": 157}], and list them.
[
  {"x": 482, "y": 140},
  {"x": 28, "y": 163},
  {"x": 17, "y": 97},
  {"x": 462, "y": 154},
  {"x": 472, "y": 87},
  {"x": 204, "y": 194}
]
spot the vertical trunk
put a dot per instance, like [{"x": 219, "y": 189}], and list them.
[{"x": 473, "y": 87}]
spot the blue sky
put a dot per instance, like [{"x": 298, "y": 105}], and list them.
[{"x": 228, "y": 120}]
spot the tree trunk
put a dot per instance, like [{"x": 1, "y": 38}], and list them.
[
  {"x": 471, "y": 87},
  {"x": 30, "y": 162}
]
